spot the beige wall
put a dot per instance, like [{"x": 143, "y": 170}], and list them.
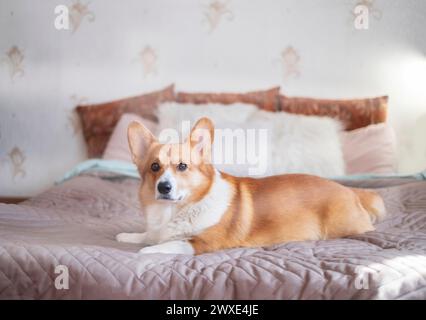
[{"x": 120, "y": 48}]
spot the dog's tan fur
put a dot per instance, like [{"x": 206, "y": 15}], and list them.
[{"x": 265, "y": 211}]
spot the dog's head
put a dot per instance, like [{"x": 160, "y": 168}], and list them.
[{"x": 177, "y": 173}]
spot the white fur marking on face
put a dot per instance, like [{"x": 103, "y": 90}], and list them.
[{"x": 171, "y": 247}]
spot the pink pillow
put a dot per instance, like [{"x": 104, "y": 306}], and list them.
[
  {"x": 370, "y": 149},
  {"x": 118, "y": 146}
]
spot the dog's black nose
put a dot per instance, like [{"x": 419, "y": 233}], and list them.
[{"x": 164, "y": 187}]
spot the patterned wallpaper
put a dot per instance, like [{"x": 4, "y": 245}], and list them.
[
  {"x": 113, "y": 49},
  {"x": 290, "y": 60},
  {"x": 216, "y": 11},
  {"x": 78, "y": 12},
  {"x": 13, "y": 59}
]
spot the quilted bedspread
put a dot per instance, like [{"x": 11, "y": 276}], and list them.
[{"x": 73, "y": 226}]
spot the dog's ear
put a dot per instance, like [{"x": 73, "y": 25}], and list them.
[
  {"x": 203, "y": 131},
  {"x": 140, "y": 138},
  {"x": 201, "y": 139}
]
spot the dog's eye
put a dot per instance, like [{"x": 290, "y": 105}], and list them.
[
  {"x": 182, "y": 166},
  {"x": 155, "y": 167}
]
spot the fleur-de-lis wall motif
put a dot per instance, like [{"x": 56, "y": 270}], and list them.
[
  {"x": 149, "y": 58},
  {"x": 290, "y": 61},
  {"x": 14, "y": 59},
  {"x": 215, "y": 11},
  {"x": 78, "y": 12},
  {"x": 372, "y": 9},
  {"x": 17, "y": 159}
]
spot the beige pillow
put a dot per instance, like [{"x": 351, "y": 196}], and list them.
[
  {"x": 371, "y": 149},
  {"x": 118, "y": 146}
]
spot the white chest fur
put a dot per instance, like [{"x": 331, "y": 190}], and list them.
[{"x": 165, "y": 223}]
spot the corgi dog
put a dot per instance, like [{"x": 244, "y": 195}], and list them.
[{"x": 192, "y": 208}]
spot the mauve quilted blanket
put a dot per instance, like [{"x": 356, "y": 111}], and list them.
[{"x": 74, "y": 225}]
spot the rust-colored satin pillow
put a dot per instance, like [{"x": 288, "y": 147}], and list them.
[
  {"x": 266, "y": 99},
  {"x": 354, "y": 114},
  {"x": 98, "y": 121}
]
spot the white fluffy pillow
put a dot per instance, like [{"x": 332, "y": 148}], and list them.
[
  {"x": 294, "y": 143},
  {"x": 301, "y": 144}
]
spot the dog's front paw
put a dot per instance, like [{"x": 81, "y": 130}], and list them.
[
  {"x": 130, "y": 237},
  {"x": 170, "y": 247},
  {"x": 150, "y": 249}
]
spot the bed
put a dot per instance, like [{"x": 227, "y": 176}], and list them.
[{"x": 74, "y": 225}]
